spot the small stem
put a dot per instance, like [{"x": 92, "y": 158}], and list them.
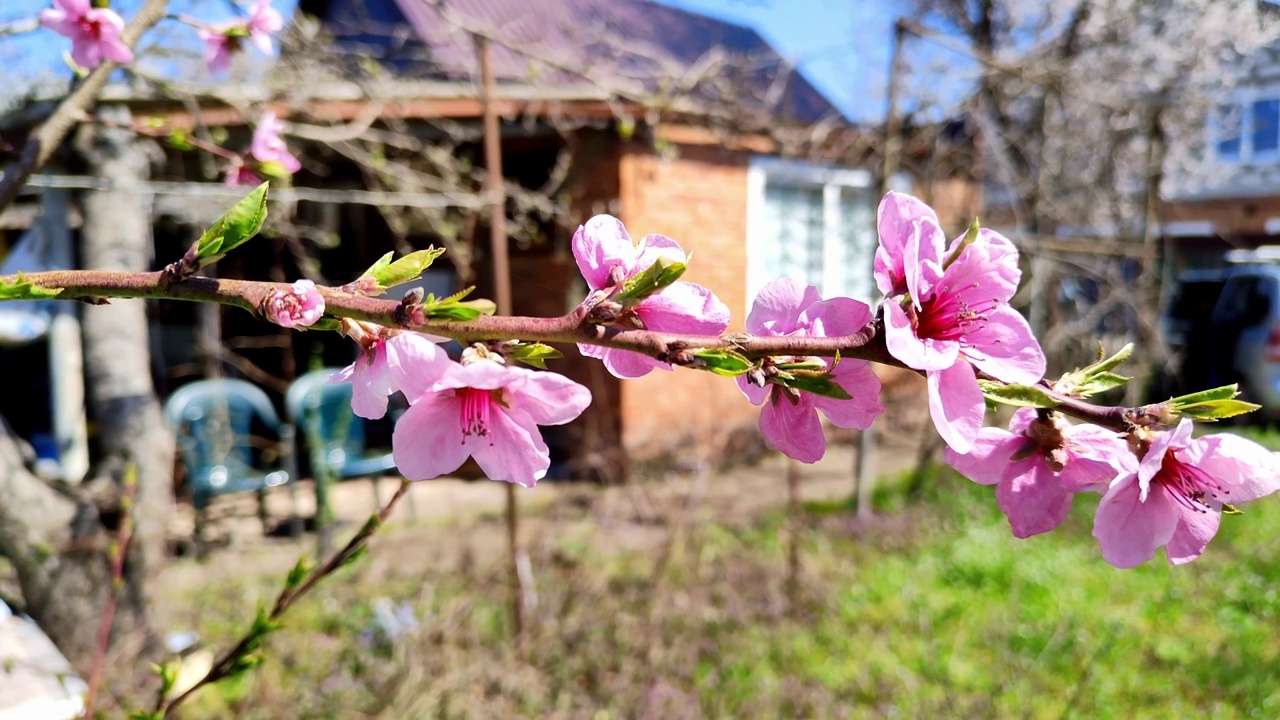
[
  {"x": 224, "y": 664},
  {"x": 125, "y": 531}
]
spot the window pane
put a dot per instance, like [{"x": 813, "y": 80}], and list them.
[
  {"x": 793, "y": 232},
  {"x": 1266, "y": 125},
  {"x": 1227, "y": 131},
  {"x": 852, "y": 277}
]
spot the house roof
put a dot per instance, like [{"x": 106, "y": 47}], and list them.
[{"x": 630, "y": 47}]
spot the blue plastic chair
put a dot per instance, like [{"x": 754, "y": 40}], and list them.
[
  {"x": 335, "y": 436},
  {"x": 213, "y": 420}
]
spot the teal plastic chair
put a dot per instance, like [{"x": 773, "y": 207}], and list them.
[
  {"x": 320, "y": 411},
  {"x": 213, "y": 420}
]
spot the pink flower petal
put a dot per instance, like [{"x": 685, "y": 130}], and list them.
[
  {"x": 427, "y": 440},
  {"x": 897, "y": 219},
  {"x": 1194, "y": 531},
  {"x": 989, "y": 457},
  {"x": 626, "y": 364},
  {"x": 921, "y": 354},
  {"x": 956, "y": 405},
  {"x": 1005, "y": 348},
  {"x": 684, "y": 307},
  {"x": 599, "y": 245},
  {"x": 655, "y": 246},
  {"x": 549, "y": 398},
  {"x": 778, "y": 306},
  {"x": 415, "y": 364},
  {"x": 858, "y": 379},
  {"x": 834, "y": 317},
  {"x": 514, "y": 451},
  {"x": 1033, "y": 500},
  {"x": 755, "y": 394},
  {"x": 1128, "y": 529},
  {"x": 794, "y": 429},
  {"x": 1248, "y": 470},
  {"x": 1164, "y": 442}
]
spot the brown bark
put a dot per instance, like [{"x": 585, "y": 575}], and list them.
[{"x": 122, "y": 398}]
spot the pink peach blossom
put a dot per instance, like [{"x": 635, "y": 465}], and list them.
[
  {"x": 1037, "y": 465},
  {"x": 382, "y": 367},
  {"x": 607, "y": 257},
  {"x": 269, "y": 147},
  {"x": 950, "y": 315},
  {"x": 484, "y": 410},
  {"x": 1175, "y": 497},
  {"x": 223, "y": 41},
  {"x": 789, "y": 420},
  {"x": 299, "y": 306},
  {"x": 94, "y": 32},
  {"x": 238, "y": 173}
]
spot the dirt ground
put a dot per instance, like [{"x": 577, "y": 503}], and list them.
[{"x": 447, "y": 521}]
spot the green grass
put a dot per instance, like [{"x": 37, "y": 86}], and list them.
[{"x": 935, "y": 611}]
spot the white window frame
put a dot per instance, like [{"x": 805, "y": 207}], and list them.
[
  {"x": 1242, "y": 102},
  {"x": 832, "y": 180}
]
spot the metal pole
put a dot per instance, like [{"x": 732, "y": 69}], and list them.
[{"x": 502, "y": 291}]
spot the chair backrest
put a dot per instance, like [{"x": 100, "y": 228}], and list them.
[
  {"x": 321, "y": 410},
  {"x": 213, "y": 420}
]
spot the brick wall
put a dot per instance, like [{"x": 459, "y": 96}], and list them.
[{"x": 699, "y": 198}]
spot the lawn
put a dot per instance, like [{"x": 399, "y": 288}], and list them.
[{"x": 931, "y": 610}]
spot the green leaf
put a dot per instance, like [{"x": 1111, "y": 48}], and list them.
[
  {"x": 969, "y": 238},
  {"x": 534, "y": 354},
  {"x": 652, "y": 279},
  {"x": 1100, "y": 383},
  {"x": 299, "y": 573},
  {"x": 724, "y": 362},
  {"x": 272, "y": 170},
  {"x": 1110, "y": 363},
  {"x": 178, "y": 140},
  {"x": 1211, "y": 410},
  {"x": 1017, "y": 395},
  {"x": 460, "y": 311},
  {"x": 1226, "y": 392},
  {"x": 811, "y": 383},
  {"x": 240, "y": 223},
  {"x": 21, "y": 289},
  {"x": 410, "y": 267},
  {"x": 382, "y": 263}
]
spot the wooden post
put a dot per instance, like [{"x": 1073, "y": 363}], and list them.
[{"x": 502, "y": 291}]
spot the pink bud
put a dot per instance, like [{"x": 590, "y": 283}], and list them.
[{"x": 299, "y": 306}]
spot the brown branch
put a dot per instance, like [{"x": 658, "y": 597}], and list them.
[
  {"x": 677, "y": 349},
  {"x": 42, "y": 143}
]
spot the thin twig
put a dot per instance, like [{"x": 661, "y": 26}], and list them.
[
  {"x": 118, "y": 550},
  {"x": 225, "y": 664}
]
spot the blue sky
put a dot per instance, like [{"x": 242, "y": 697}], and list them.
[{"x": 842, "y": 46}]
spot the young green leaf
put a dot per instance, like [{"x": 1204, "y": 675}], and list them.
[
  {"x": 813, "y": 383},
  {"x": 724, "y": 362},
  {"x": 652, "y": 279},
  {"x": 1226, "y": 392},
  {"x": 1017, "y": 395},
  {"x": 410, "y": 267},
  {"x": 1212, "y": 410},
  {"x": 21, "y": 289},
  {"x": 240, "y": 223},
  {"x": 534, "y": 354}
]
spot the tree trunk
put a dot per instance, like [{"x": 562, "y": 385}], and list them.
[
  {"x": 132, "y": 430},
  {"x": 57, "y": 546}
]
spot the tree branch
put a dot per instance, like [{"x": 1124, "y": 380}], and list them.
[{"x": 677, "y": 349}]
